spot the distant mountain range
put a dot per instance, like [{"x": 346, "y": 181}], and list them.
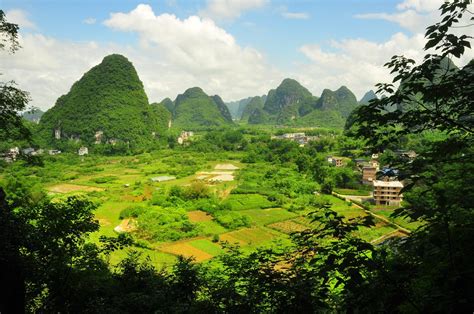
[
  {"x": 33, "y": 115},
  {"x": 109, "y": 104},
  {"x": 194, "y": 109},
  {"x": 292, "y": 104}
]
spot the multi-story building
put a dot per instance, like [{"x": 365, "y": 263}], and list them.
[
  {"x": 336, "y": 161},
  {"x": 387, "y": 192},
  {"x": 368, "y": 174}
]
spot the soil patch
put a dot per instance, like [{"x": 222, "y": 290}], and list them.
[
  {"x": 186, "y": 250},
  {"x": 127, "y": 225},
  {"x": 66, "y": 188},
  {"x": 198, "y": 216},
  {"x": 225, "y": 167}
]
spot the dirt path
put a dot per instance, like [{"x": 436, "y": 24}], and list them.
[{"x": 384, "y": 219}]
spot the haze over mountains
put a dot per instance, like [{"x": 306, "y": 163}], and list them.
[{"x": 109, "y": 104}]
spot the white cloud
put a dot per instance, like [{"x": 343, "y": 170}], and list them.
[
  {"x": 415, "y": 15},
  {"x": 230, "y": 9},
  {"x": 19, "y": 17},
  {"x": 173, "y": 54},
  {"x": 358, "y": 63},
  {"x": 89, "y": 21},
  {"x": 409, "y": 19},
  {"x": 47, "y": 67},
  {"x": 420, "y": 5},
  {"x": 295, "y": 15}
]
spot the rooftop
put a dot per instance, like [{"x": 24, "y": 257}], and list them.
[{"x": 394, "y": 184}]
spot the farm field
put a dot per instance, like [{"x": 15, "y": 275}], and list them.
[{"x": 191, "y": 213}]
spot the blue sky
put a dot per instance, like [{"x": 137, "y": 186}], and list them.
[
  {"x": 264, "y": 28},
  {"x": 234, "y": 48}
]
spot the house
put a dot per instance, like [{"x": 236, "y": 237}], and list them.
[
  {"x": 389, "y": 172},
  {"x": 28, "y": 151},
  {"x": 300, "y": 138},
  {"x": 368, "y": 174},
  {"x": 185, "y": 136},
  {"x": 336, "y": 161},
  {"x": 54, "y": 152},
  {"x": 98, "y": 137},
  {"x": 293, "y": 135},
  {"x": 387, "y": 192},
  {"x": 83, "y": 151},
  {"x": 13, "y": 153},
  {"x": 374, "y": 163}
]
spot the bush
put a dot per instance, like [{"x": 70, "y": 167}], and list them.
[
  {"x": 197, "y": 190},
  {"x": 166, "y": 224},
  {"x": 132, "y": 211},
  {"x": 232, "y": 220},
  {"x": 105, "y": 179}
]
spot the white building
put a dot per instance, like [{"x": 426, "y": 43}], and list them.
[
  {"x": 83, "y": 151},
  {"x": 387, "y": 192}
]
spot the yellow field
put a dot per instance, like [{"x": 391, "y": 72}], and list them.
[
  {"x": 288, "y": 226},
  {"x": 66, "y": 188},
  {"x": 187, "y": 250},
  {"x": 198, "y": 216}
]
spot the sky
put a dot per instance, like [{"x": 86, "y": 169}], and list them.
[{"x": 233, "y": 48}]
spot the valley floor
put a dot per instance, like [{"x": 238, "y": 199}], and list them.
[{"x": 118, "y": 184}]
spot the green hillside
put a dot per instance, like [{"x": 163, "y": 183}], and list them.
[
  {"x": 255, "y": 103},
  {"x": 289, "y": 101},
  {"x": 341, "y": 100},
  {"x": 162, "y": 116},
  {"x": 367, "y": 97},
  {"x": 33, "y": 115},
  {"x": 292, "y": 104},
  {"x": 237, "y": 107},
  {"x": 194, "y": 109},
  {"x": 110, "y": 99},
  {"x": 168, "y": 103},
  {"x": 222, "y": 107}
]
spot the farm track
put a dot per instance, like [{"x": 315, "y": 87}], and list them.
[{"x": 380, "y": 217}]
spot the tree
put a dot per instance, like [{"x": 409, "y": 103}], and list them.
[
  {"x": 12, "y": 99},
  {"x": 431, "y": 266}
]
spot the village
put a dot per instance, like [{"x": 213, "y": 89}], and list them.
[{"x": 385, "y": 187}]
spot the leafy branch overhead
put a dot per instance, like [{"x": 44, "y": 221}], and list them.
[{"x": 434, "y": 95}]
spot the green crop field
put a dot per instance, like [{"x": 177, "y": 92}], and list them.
[
  {"x": 207, "y": 246},
  {"x": 232, "y": 211},
  {"x": 268, "y": 216},
  {"x": 248, "y": 201}
]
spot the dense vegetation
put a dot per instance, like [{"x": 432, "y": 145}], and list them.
[
  {"x": 56, "y": 257},
  {"x": 196, "y": 110},
  {"x": 109, "y": 98},
  {"x": 292, "y": 104},
  {"x": 256, "y": 102},
  {"x": 236, "y": 108}
]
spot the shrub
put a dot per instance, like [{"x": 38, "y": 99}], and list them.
[
  {"x": 232, "y": 219},
  {"x": 105, "y": 179},
  {"x": 197, "y": 190},
  {"x": 166, "y": 224},
  {"x": 132, "y": 211}
]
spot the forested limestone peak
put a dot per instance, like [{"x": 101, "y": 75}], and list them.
[
  {"x": 108, "y": 100},
  {"x": 194, "y": 109},
  {"x": 368, "y": 97},
  {"x": 288, "y": 93}
]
